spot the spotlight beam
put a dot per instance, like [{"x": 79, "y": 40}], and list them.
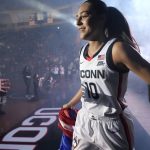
[{"x": 54, "y": 13}]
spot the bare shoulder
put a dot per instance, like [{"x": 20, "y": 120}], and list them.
[
  {"x": 123, "y": 52},
  {"x": 122, "y": 48}
]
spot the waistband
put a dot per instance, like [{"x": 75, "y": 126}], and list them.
[
  {"x": 102, "y": 118},
  {"x": 93, "y": 116}
]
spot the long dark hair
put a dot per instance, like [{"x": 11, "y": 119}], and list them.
[
  {"x": 99, "y": 6},
  {"x": 116, "y": 25}
]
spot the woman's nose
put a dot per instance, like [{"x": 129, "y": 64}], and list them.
[{"x": 78, "y": 21}]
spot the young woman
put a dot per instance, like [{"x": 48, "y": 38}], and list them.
[{"x": 103, "y": 123}]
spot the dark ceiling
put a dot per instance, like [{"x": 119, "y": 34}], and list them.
[{"x": 8, "y": 5}]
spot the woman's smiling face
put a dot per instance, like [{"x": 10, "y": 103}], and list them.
[{"x": 89, "y": 23}]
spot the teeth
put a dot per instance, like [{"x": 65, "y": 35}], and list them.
[{"x": 81, "y": 29}]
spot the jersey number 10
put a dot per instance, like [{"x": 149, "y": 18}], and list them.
[{"x": 92, "y": 90}]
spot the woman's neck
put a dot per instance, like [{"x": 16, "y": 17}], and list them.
[{"x": 93, "y": 47}]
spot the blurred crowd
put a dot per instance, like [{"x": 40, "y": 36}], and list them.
[{"x": 50, "y": 53}]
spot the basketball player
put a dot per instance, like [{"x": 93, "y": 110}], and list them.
[{"x": 103, "y": 122}]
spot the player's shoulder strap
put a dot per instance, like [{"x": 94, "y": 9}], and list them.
[
  {"x": 109, "y": 60},
  {"x": 82, "y": 48}
]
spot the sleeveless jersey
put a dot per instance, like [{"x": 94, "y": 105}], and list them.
[{"x": 103, "y": 89}]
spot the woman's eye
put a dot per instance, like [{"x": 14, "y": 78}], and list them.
[{"x": 85, "y": 16}]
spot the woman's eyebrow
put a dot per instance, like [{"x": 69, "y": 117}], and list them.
[{"x": 82, "y": 13}]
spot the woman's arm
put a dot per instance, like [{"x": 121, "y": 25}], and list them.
[
  {"x": 123, "y": 53},
  {"x": 74, "y": 100}
]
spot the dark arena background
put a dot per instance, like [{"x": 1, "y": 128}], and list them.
[{"x": 39, "y": 53}]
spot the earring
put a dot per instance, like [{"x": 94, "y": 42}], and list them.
[{"x": 106, "y": 32}]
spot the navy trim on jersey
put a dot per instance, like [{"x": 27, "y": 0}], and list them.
[
  {"x": 85, "y": 53},
  {"x": 81, "y": 50},
  {"x": 109, "y": 60}
]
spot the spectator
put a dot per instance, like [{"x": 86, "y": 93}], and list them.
[
  {"x": 27, "y": 80},
  {"x": 4, "y": 86},
  {"x": 36, "y": 79}
]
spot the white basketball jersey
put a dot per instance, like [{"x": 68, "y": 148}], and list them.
[{"x": 103, "y": 88}]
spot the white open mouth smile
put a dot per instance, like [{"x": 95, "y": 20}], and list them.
[{"x": 81, "y": 29}]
